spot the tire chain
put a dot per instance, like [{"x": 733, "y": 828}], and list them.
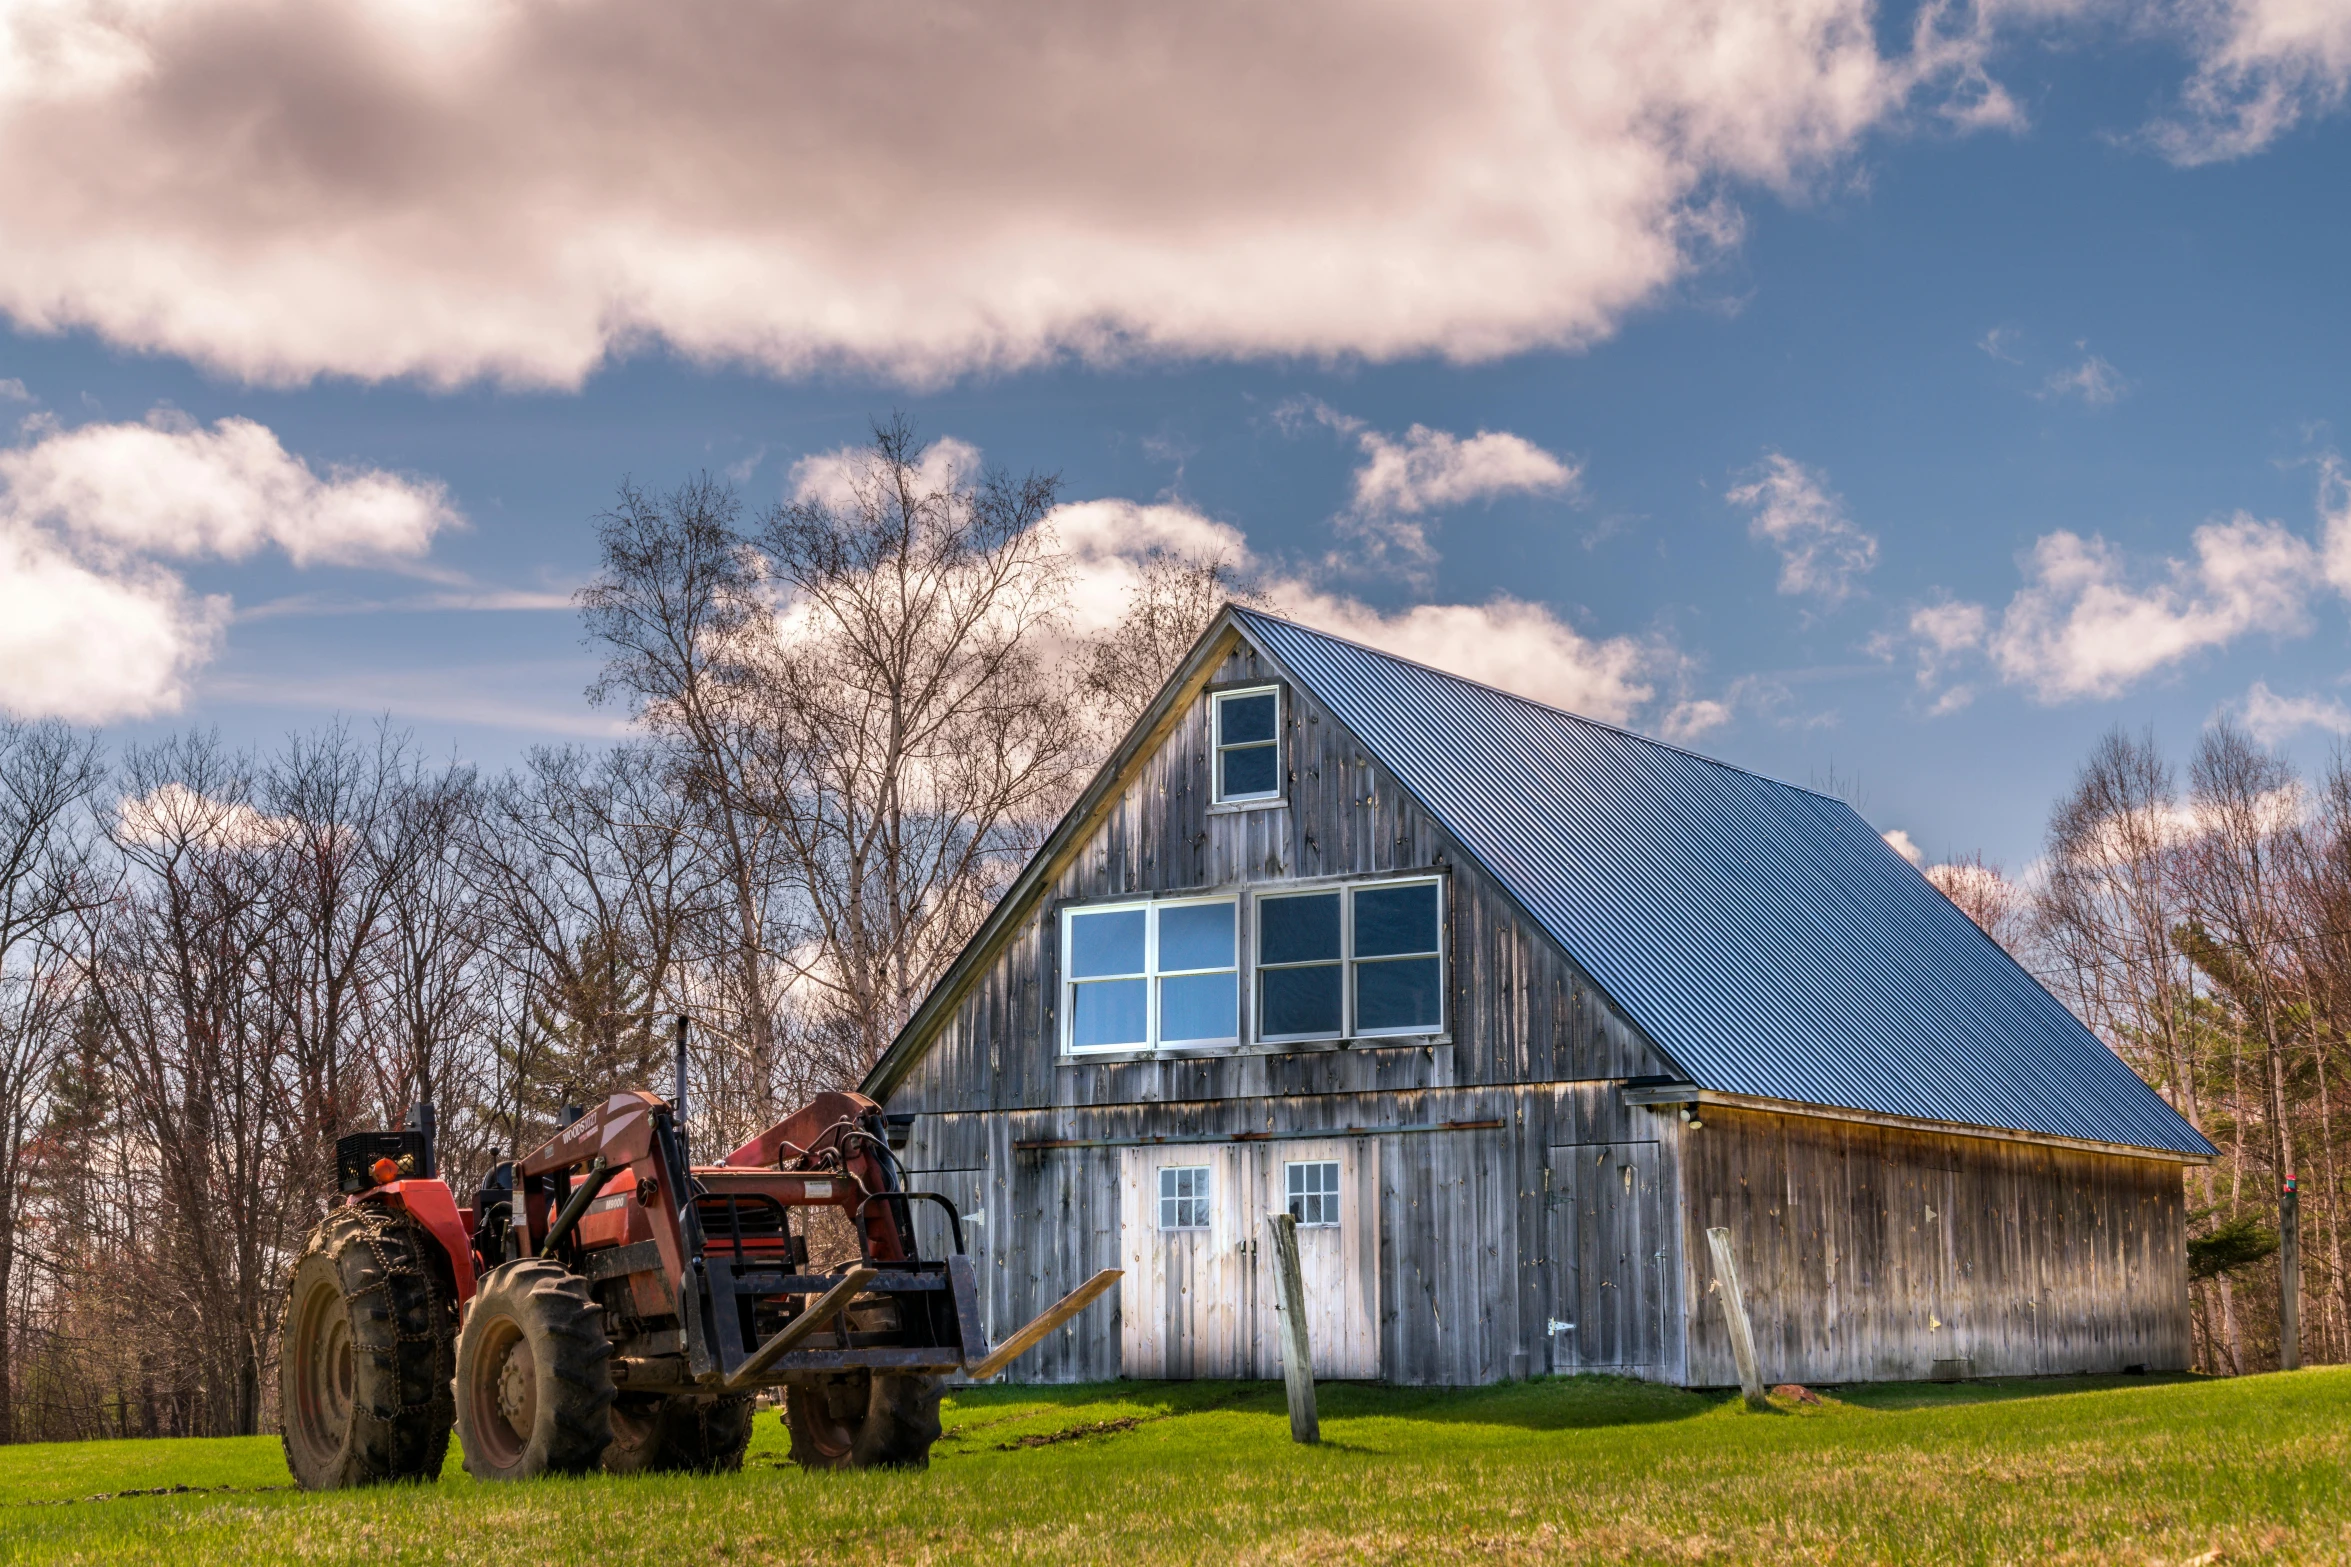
[{"x": 398, "y": 1262}]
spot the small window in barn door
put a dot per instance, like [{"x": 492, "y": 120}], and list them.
[
  {"x": 1248, "y": 744},
  {"x": 1183, "y": 1197},
  {"x": 1313, "y": 1192}
]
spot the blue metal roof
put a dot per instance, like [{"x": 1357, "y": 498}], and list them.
[{"x": 1763, "y": 935}]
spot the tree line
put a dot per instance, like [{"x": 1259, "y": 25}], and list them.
[{"x": 852, "y": 717}]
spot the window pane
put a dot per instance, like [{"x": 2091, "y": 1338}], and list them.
[
  {"x": 1109, "y": 1012},
  {"x": 1194, "y": 1007},
  {"x": 1106, "y": 943},
  {"x": 1183, "y": 1197},
  {"x": 1195, "y": 935},
  {"x": 1298, "y": 930},
  {"x": 1400, "y": 993},
  {"x": 1298, "y": 1000},
  {"x": 1391, "y": 920},
  {"x": 1241, "y": 719},
  {"x": 1253, "y": 769},
  {"x": 1313, "y": 1192}
]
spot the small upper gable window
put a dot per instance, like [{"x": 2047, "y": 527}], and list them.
[{"x": 1248, "y": 728}]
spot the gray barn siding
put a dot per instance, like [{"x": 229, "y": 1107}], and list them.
[
  {"x": 1870, "y": 1253},
  {"x": 1464, "y": 1289}
]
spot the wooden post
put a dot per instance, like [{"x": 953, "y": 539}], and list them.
[
  {"x": 2289, "y": 1277},
  {"x": 1290, "y": 1302},
  {"x": 1734, "y": 1310}
]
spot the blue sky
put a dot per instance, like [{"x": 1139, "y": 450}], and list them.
[{"x": 2117, "y": 312}]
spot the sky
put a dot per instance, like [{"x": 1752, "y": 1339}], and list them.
[{"x": 1885, "y": 399}]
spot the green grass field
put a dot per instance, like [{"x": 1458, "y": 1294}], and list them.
[{"x": 1590, "y": 1469}]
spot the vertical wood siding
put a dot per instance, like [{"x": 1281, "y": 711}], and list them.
[{"x": 1872, "y": 1253}]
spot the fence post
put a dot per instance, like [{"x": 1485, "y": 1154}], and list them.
[
  {"x": 1290, "y": 1301},
  {"x": 1734, "y": 1310}
]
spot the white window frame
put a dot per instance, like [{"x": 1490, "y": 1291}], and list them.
[
  {"x": 1151, "y": 975},
  {"x": 1347, "y": 926},
  {"x": 1206, "y": 1198},
  {"x": 1333, "y": 1196},
  {"x": 1258, "y": 967},
  {"x": 1217, "y": 746},
  {"x": 1348, "y": 962}
]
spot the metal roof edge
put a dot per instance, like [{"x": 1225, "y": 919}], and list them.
[
  {"x": 907, "y": 1046},
  {"x": 1548, "y": 707},
  {"x": 1691, "y": 1093}
]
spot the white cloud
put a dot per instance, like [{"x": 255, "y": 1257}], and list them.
[
  {"x": 1822, "y": 551},
  {"x": 1429, "y": 469},
  {"x": 170, "y": 487},
  {"x": 2271, "y": 718},
  {"x": 2094, "y": 381},
  {"x": 2001, "y": 343},
  {"x": 91, "y": 627},
  {"x": 2087, "y": 625},
  {"x": 13, "y": 390},
  {"x": 2081, "y": 628},
  {"x": 1504, "y": 642},
  {"x": 1899, "y": 842},
  {"x": 173, "y": 812},
  {"x": 88, "y": 644},
  {"x": 2262, "y": 67},
  {"x": 285, "y": 188}
]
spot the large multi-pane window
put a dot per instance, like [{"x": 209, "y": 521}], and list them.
[
  {"x": 1343, "y": 961},
  {"x": 1351, "y": 961},
  {"x": 1312, "y": 1189},
  {"x": 1142, "y": 975},
  {"x": 1248, "y": 744},
  {"x": 1183, "y": 1197}
]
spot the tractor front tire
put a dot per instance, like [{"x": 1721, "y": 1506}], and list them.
[
  {"x": 366, "y": 1353},
  {"x": 864, "y": 1421},
  {"x": 668, "y": 1435},
  {"x": 534, "y": 1387}
]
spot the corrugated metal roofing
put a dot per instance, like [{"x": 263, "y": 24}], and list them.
[{"x": 1764, "y": 935}]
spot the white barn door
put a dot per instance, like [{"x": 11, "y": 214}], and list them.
[{"x": 1198, "y": 1297}]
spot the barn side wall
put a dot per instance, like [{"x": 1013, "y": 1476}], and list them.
[
  {"x": 1872, "y": 1253},
  {"x": 1530, "y": 1042}
]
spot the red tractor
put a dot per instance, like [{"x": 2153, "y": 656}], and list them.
[{"x": 604, "y": 1304}]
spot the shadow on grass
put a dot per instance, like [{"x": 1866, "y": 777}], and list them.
[
  {"x": 1990, "y": 1390},
  {"x": 1547, "y": 1404}
]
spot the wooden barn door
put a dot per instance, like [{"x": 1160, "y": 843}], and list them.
[
  {"x": 1198, "y": 1296},
  {"x": 1187, "y": 1304},
  {"x": 1335, "y": 1186},
  {"x": 1607, "y": 1247}
]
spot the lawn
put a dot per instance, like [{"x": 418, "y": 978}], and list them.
[{"x": 2111, "y": 1469}]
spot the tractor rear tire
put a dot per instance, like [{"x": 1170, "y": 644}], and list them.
[
  {"x": 864, "y": 1421},
  {"x": 657, "y": 1435},
  {"x": 534, "y": 1387},
  {"x": 366, "y": 1353}
]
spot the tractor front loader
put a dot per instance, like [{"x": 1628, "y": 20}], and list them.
[{"x": 604, "y": 1304}]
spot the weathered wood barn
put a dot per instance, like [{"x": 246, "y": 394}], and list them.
[{"x": 1509, "y": 1008}]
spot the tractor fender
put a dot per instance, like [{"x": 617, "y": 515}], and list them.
[{"x": 431, "y": 1205}]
